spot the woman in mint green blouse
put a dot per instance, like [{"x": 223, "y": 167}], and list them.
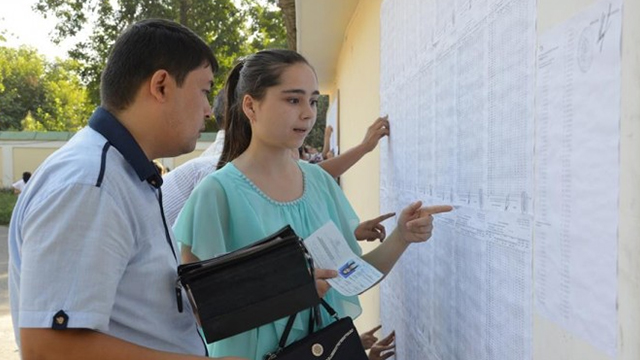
[{"x": 271, "y": 99}]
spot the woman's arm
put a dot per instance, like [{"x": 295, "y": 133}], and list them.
[
  {"x": 337, "y": 166},
  {"x": 415, "y": 224}
]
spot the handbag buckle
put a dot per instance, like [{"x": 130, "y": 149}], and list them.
[{"x": 317, "y": 350}]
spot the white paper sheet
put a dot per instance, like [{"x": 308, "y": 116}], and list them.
[
  {"x": 329, "y": 250},
  {"x": 577, "y": 138},
  {"x": 332, "y": 120},
  {"x": 457, "y": 80}
]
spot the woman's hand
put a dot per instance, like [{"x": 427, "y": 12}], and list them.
[
  {"x": 322, "y": 285},
  {"x": 375, "y": 132},
  {"x": 385, "y": 345},
  {"x": 371, "y": 230},
  {"x": 415, "y": 223},
  {"x": 368, "y": 339}
]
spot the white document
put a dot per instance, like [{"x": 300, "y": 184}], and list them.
[
  {"x": 577, "y": 157},
  {"x": 332, "y": 120},
  {"x": 458, "y": 82},
  {"x": 329, "y": 250}
]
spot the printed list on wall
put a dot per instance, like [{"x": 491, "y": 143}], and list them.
[
  {"x": 457, "y": 81},
  {"x": 576, "y": 197}
]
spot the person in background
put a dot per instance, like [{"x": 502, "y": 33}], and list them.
[
  {"x": 162, "y": 170},
  {"x": 314, "y": 155},
  {"x": 327, "y": 151},
  {"x": 92, "y": 263},
  {"x": 271, "y": 99},
  {"x": 384, "y": 348},
  {"x": 19, "y": 185}
]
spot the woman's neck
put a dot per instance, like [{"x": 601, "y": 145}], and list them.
[
  {"x": 265, "y": 159},
  {"x": 273, "y": 171}
]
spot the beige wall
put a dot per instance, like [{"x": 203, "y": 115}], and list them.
[
  {"x": 28, "y": 159},
  {"x": 358, "y": 79},
  {"x": 17, "y": 157}
]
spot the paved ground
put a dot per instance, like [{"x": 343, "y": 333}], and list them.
[{"x": 8, "y": 349}]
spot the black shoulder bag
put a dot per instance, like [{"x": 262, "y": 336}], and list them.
[
  {"x": 338, "y": 341},
  {"x": 251, "y": 286}
]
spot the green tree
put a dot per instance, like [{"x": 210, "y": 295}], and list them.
[
  {"x": 232, "y": 31},
  {"x": 66, "y": 105},
  {"x": 21, "y": 72},
  {"x": 40, "y": 96},
  {"x": 316, "y": 135},
  {"x": 266, "y": 26}
]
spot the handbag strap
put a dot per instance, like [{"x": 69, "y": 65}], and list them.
[
  {"x": 314, "y": 312},
  {"x": 292, "y": 318}
]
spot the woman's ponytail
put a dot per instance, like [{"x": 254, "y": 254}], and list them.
[{"x": 236, "y": 125}]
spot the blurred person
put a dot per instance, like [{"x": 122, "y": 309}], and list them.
[{"x": 19, "y": 185}]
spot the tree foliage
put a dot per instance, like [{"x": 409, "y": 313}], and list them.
[
  {"x": 59, "y": 96},
  {"x": 316, "y": 135},
  {"x": 66, "y": 105},
  {"x": 21, "y": 72},
  {"x": 231, "y": 30},
  {"x": 38, "y": 95},
  {"x": 267, "y": 26}
]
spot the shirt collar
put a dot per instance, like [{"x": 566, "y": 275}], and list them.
[{"x": 119, "y": 137}]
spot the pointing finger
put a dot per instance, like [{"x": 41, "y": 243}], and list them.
[
  {"x": 384, "y": 217},
  {"x": 373, "y": 330},
  {"x": 437, "y": 209}
]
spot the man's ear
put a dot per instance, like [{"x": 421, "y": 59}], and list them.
[
  {"x": 158, "y": 85},
  {"x": 248, "y": 106}
]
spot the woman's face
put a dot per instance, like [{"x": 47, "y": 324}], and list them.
[{"x": 286, "y": 114}]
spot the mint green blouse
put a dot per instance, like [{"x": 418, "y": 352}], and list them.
[{"x": 227, "y": 211}]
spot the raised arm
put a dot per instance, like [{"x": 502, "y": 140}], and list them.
[
  {"x": 326, "y": 146},
  {"x": 336, "y": 166}
]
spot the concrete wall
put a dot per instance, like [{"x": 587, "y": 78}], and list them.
[
  {"x": 358, "y": 81},
  {"x": 17, "y": 156}
]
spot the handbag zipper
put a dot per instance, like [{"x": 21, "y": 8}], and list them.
[{"x": 179, "y": 295}]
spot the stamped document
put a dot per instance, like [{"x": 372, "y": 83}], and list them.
[{"x": 329, "y": 250}]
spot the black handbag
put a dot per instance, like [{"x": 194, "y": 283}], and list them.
[
  {"x": 251, "y": 286},
  {"x": 338, "y": 341}
]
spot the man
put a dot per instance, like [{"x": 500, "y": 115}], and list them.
[
  {"x": 92, "y": 261},
  {"x": 19, "y": 185}
]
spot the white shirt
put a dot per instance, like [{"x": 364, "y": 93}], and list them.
[
  {"x": 179, "y": 183},
  {"x": 19, "y": 185}
]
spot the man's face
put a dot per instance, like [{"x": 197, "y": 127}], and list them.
[{"x": 189, "y": 108}]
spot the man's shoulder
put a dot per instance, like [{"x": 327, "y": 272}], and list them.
[
  {"x": 81, "y": 155},
  {"x": 85, "y": 159}
]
